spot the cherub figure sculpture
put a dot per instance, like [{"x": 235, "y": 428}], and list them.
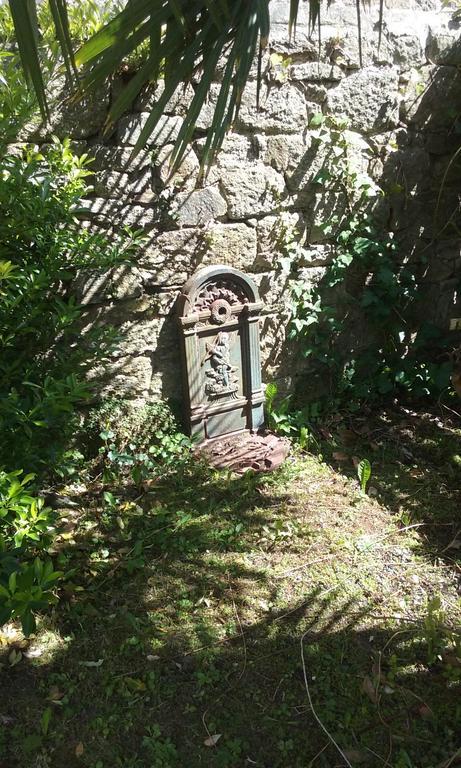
[{"x": 220, "y": 373}]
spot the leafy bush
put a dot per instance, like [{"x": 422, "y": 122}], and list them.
[
  {"x": 26, "y": 527},
  {"x": 140, "y": 439},
  {"x": 366, "y": 282},
  {"x": 43, "y": 357},
  {"x": 42, "y": 247}
]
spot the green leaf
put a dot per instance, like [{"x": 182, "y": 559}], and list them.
[
  {"x": 45, "y": 720},
  {"x": 316, "y": 120},
  {"x": 28, "y": 623},
  {"x": 12, "y": 582},
  {"x": 24, "y": 14},
  {"x": 364, "y": 473}
]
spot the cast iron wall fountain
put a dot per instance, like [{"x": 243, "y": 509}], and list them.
[{"x": 219, "y": 312}]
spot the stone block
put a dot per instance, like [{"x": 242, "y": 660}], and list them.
[
  {"x": 231, "y": 244},
  {"x": 270, "y": 231},
  {"x": 283, "y": 109},
  {"x": 75, "y": 119},
  {"x": 236, "y": 149},
  {"x": 443, "y": 46},
  {"x": 193, "y": 209},
  {"x": 185, "y": 176},
  {"x": 103, "y": 211},
  {"x": 368, "y": 98},
  {"x": 316, "y": 72},
  {"x": 273, "y": 241},
  {"x": 252, "y": 190},
  {"x": 116, "y": 158},
  {"x": 137, "y": 337},
  {"x": 178, "y": 104},
  {"x": 125, "y": 377},
  {"x": 168, "y": 258},
  {"x": 130, "y": 127},
  {"x": 283, "y": 152},
  {"x": 141, "y": 190},
  {"x": 120, "y": 283},
  {"x": 110, "y": 184},
  {"x": 166, "y": 379},
  {"x": 206, "y": 113},
  {"x": 327, "y": 208}
]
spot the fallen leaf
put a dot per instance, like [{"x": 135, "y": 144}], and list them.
[
  {"x": 55, "y": 694},
  {"x": 91, "y": 663},
  {"x": 14, "y": 657},
  {"x": 79, "y": 749},
  {"x": 356, "y": 756},
  {"x": 369, "y": 689},
  {"x": 211, "y": 741},
  {"x": 425, "y": 712},
  {"x": 33, "y": 653}
]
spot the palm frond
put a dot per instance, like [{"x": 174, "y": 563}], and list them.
[
  {"x": 24, "y": 15},
  {"x": 186, "y": 40}
]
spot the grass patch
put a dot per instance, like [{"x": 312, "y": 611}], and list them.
[{"x": 177, "y": 640}]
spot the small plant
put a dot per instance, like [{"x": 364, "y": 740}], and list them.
[
  {"x": 26, "y": 527},
  {"x": 442, "y": 642},
  {"x": 139, "y": 440},
  {"x": 364, "y": 474},
  {"x": 286, "y": 421},
  {"x": 162, "y": 752},
  {"x": 42, "y": 368}
]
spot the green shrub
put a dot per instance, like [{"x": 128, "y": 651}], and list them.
[
  {"x": 26, "y": 528},
  {"x": 42, "y": 247},
  {"x": 366, "y": 282},
  {"x": 43, "y": 357},
  {"x": 140, "y": 439}
]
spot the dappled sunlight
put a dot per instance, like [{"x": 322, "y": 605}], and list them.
[{"x": 196, "y": 631}]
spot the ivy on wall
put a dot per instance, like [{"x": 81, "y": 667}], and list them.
[{"x": 366, "y": 284}]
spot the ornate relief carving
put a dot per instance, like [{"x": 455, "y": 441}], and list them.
[
  {"x": 222, "y": 379},
  {"x": 219, "y": 290}
]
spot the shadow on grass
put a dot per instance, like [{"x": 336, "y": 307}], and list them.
[
  {"x": 184, "y": 637},
  {"x": 416, "y": 470}
]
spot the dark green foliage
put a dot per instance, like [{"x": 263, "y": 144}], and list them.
[
  {"x": 26, "y": 526},
  {"x": 43, "y": 359},
  {"x": 142, "y": 440},
  {"x": 42, "y": 247},
  {"x": 368, "y": 284}
]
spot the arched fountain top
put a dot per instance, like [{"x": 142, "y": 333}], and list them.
[{"x": 219, "y": 282}]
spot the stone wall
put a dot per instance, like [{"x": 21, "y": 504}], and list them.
[{"x": 396, "y": 107}]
